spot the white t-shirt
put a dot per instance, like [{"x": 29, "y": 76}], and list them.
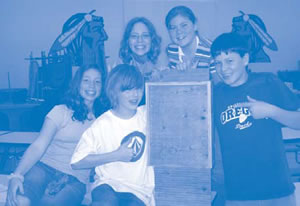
[{"x": 105, "y": 135}]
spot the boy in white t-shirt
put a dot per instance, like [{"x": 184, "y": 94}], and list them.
[{"x": 123, "y": 176}]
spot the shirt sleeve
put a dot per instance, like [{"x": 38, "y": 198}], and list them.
[
  {"x": 284, "y": 97},
  {"x": 86, "y": 145},
  {"x": 58, "y": 114}
]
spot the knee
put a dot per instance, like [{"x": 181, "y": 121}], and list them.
[
  {"x": 23, "y": 201},
  {"x": 104, "y": 195}
]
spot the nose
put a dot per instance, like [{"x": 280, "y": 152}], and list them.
[
  {"x": 178, "y": 31},
  {"x": 223, "y": 67},
  {"x": 134, "y": 92},
  {"x": 91, "y": 84},
  {"x": 140, "y": 38}
]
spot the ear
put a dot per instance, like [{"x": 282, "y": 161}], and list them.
[
  {"x": 195, "y": 26},
  {"x": 246, "y": 59}
]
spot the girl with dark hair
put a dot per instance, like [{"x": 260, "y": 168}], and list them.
[
  {"x": 44, "y": 175},
  {"x": 116, "y": 145},
  {"x": 140, "y": 46},
  {"x": 188, "y": 49}
]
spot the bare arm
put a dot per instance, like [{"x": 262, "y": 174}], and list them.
[
  {"x": 260, "y": 109},
  {"x": 31, "y": 156},
  {"x": 37, "y": 148},
  {"x": 290, "y": 119},
  {"x": 122, "y": 154}
]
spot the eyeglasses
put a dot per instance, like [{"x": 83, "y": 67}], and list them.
[{"x": 136, "y": 37}]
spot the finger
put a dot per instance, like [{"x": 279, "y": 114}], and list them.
[
  {"x": 128, "y": 143},
  {"x": 194, "y": 64},
  {"x": 181, "y": 66},
  {"x": 21, "y": 189},
  {"x": 251, "y": 99},
  {"x": 13, "y": 199},
  {"x": 178, "y": 66},
  {"x": 187, "y": 65},
  {"x": 244, "y": 104},
  {"x": 8, "y": 201},
  {"x": 14, "y": 196}
]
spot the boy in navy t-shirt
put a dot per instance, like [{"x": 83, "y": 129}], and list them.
[{"x": 250, "y": 109}]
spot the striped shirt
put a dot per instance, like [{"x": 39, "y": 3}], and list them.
[{"x": 202, "y": 58}]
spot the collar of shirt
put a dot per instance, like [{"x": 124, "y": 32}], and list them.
[{"x": 180, "y": 52}]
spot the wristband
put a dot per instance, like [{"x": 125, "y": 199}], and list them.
[{"x": 13, "y": 175}]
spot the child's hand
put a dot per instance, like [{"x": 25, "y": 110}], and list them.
[
  {"x": 125, "y": 152},
  {"x": 15, "y": 185},
  {"x": 182, "y": 66},
  {"x": 258, "y": 109},
  {"x": 155, "y": 75}
]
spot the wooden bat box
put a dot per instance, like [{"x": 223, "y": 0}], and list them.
[{"x": 179, "y": 133}]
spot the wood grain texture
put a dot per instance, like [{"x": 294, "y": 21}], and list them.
[
  {"x": 182, "y": 186},
  {"x": 179, "y": 124}
]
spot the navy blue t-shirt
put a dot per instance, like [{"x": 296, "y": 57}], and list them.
[{"x": 254, "y": 161}]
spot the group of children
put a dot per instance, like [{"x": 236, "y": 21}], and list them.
[{"x": 249, "y": 111}]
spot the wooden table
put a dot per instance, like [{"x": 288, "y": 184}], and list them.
[
  {"x": 15, "y": 111},
  {"x": 10, "y": 140}
]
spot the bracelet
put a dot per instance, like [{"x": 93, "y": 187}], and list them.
[{"x": 13, "y": 175}]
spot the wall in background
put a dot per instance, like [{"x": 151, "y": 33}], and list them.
[{"x": 33, "y": 25}]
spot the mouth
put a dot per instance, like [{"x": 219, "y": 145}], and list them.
[
  {"x": 90, "y": 92},
  {"x": 140, "y": 47},
  {"x": 226, "y": 76},
  {"x": 134, "y": 101},
  {"x": 180, "y": 38}
]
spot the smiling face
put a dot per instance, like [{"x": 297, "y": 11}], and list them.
[
  {"x": 231, "y": 68},
  {"x": 90, "y": 86},
  {"x": 182, "y": 31},
  {"x": 140, "y": 39},
  {"x": 128, "y": 100}
]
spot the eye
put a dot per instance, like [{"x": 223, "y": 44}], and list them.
[
  {"x": 172, "y": 27},
  {"x": 146, "y": 36},
  {"x": 134, "y": 36},
  {"x": 126, "y": 91},
  {"x": 217, "y": 63},
  {"x": 184, "y": 25}
]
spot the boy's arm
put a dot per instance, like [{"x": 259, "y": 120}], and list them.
[
  {"x": 260, "y": 109},
  {"x": 290, "y": 119},
  {"x": 94, "y": 160},
  {"x": 86, "y": 154}
]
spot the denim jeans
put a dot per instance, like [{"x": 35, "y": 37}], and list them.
[
  {"x": 105, "y": 195},
  {"x": 283, "y": 201},
  {"x": 36, "y": 182}
]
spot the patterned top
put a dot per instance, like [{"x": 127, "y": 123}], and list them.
[{"x": 202, "y": 58}]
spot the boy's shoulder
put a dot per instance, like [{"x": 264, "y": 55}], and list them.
[
  {"x": 263, "y": 78},
  {"x": 255, "y": 78},
  {"x": 106, "y": 116}
]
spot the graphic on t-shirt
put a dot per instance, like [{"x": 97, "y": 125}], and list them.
[
  {"x": 137, "y": 143},
  {"x": 236, "y": 112}
]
